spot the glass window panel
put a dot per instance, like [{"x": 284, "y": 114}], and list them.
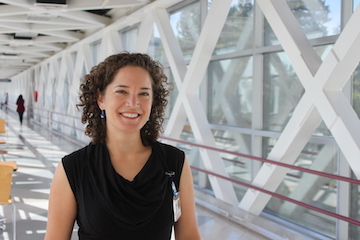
[
  {"x": 356, "y": 3},
  {"x": 73, "y": 57},
  {"x": 65, "y": 93},
  {"x": 238, "y": 168},
  {"x": 269, "y": 35},
  {"x": 172, "y": 97},
  {"x": 129, "y": 38},
  {"x": 200, "y": 179},
  {"x": 318, "y": 18},
  {"x": 354, "y": 230},
  {"x": 322, "y": 51},
  {"x": 156, "y": 49},
  {"x": 311, "y": 189},
  {"x": 96, "y": 48},
  {"x": 282, "y": 91},
  {"x": 238, "y": 31},
  {"x": 186, "y": 26},
  {"x": 356, "y": 91},
  {"x": 230, "y": 92}
]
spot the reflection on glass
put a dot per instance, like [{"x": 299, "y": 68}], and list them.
[
  {"x": 156, "y": 49},
  {"x": 186, "y": 26},
  {"x": 282, "y": 91},
  {"x": 237, "y": 33},
  {"x": 356, "y": 91},
  {"x": 200, "y": 179},
  {"x": 318, "y": 18},
  {"x": 96, "y": 48},
  {"x": 230, "y": 92},
  {"x": 322, "y": 51},
  {"x": 355, "y": 209},
  {"x": 173, "y": 94},
  {"x": 311, "y": 189},
  {"x": 129, "y": 39},
  {"x": 238, "y": 168},
  {"x": 356, "y": 4}
]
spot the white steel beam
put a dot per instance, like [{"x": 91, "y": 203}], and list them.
[
  {"x": 323, "y": 98},
  {"x": 145, "y": 31},
  {"x": 188, "y": 103}
]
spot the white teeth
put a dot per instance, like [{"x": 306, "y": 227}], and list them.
[{"x": 130, "y": 115}]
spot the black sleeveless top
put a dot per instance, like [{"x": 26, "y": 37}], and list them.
[{"x": 111, "y": 207}]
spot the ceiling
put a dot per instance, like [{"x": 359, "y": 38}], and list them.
[{"x": 33, "y": 30}]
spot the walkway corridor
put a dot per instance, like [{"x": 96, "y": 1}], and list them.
[{"x": 37, "y": 153}]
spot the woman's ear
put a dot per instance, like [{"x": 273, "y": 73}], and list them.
[{"x": 100, "y": 99}]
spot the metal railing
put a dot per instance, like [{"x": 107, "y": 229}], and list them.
[
  {"x": 50, "y": 119},
  {"x": 308, "y": 206}
]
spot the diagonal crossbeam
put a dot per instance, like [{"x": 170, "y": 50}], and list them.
[
  {"x": 323, "y": 99},
  {"x": 188, "y": 80}
]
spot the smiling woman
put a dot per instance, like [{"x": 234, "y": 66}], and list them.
[
  {"x": 127, "y": 100},
  {"x": 124, "y": 184},
  {"x": 96, "y": 83}
]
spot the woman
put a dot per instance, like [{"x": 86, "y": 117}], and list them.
[
  {"x": 20, "y": 108},
  {"x": 123, "y": 184}
]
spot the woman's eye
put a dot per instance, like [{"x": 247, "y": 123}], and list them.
[
  {"x": 144, "y": 94},
  {"x": 121, "y": 91}
]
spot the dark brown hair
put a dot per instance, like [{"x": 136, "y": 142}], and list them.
[{"x": 102, "y": 75}]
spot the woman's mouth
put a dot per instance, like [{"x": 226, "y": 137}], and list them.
[{"x": 130, "y": 115}]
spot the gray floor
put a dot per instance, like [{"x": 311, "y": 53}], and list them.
[{"x": 37, "y": 153}]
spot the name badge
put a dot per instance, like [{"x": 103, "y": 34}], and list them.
[
  {"x": 176, "y": 196},
  {"x": 176, "y": 203}
]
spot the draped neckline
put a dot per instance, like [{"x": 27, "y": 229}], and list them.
[
  {"x": 138, "y": 175},
  {"x": 131, "y": 204}
]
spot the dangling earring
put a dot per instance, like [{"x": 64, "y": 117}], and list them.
[
  {"x": 102, "y": 114},
  {"x": 148, "y": 120}
]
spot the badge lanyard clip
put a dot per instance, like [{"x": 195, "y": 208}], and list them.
[{"x": 176, "y": 196}]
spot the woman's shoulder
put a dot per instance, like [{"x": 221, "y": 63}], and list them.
[
  {"x": 78, "y": 152},
  {"x": 174, "y": 156},
  {"x": 170, "y": 149},
  {"x": 79, "y": 156}
]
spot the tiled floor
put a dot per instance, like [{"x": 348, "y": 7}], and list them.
[{"x": 37, "y": 152}]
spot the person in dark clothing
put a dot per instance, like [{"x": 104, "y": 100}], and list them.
[
  {"x": 20, "y": 107},
  {"x": 124, "y": 184}
]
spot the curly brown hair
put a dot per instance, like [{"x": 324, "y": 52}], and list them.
[{"x": 102, "y": 75}]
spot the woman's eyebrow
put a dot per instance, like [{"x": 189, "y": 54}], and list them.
[
  {"x": 125, "y": 86},
  {"x": 146, "y": 88}
]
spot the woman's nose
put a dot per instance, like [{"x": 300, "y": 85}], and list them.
[{"x": 133, "y": 101}]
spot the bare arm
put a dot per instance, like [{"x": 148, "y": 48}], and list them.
[
  {"x": 186, "y": 227},
  {"x": 62, "y": 207}
]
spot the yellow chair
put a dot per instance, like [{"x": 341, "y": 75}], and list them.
[
  {"x": 6, "y": 172},
  {"x": 2, "y": 126},
  {"x": 2, "y": 141}
]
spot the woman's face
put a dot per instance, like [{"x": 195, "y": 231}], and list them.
[{"x": 127, "y": 100}]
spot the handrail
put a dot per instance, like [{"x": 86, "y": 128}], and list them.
[
  {"x": 328, "y": 175},
  {"x": 64, "y": 124},
  {"x": 250, "y": 186},
  {"x": 350, "y": 220},
  {"x": 64, "y": 114},
  {"x": 51, "y": 113}
]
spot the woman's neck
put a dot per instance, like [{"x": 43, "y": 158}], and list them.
[{"x": 125, "y": 143}]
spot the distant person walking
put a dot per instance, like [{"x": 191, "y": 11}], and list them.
[
  {"x": 6, "y": 99},
  {"x": 20, "y": 107}
]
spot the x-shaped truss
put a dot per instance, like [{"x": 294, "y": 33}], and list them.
[{"x": 323, "y": 98}]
